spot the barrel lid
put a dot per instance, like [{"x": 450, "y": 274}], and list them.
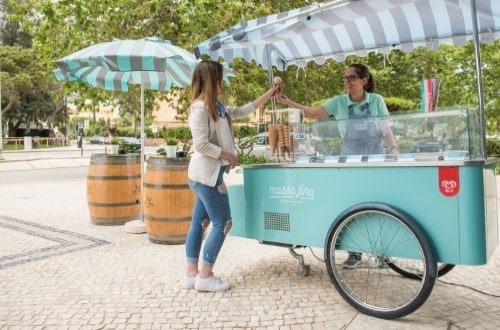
[{"x": 113, "y": 158}]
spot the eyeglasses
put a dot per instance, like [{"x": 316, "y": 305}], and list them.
[{"x": 350, "y": 78}]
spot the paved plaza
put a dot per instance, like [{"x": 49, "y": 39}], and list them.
[{"x": 59, "y": 271}]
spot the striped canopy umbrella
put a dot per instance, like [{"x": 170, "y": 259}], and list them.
[
  {"x": 336, "y": 29},
  {"x": 152, "y": 63}
]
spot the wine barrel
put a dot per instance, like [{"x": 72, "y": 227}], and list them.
[
  {"x": 114, "y": 188},
  {"x": 168, "y": 200}
]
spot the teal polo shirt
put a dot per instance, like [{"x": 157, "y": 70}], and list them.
[{"x": 338, "y": 105}]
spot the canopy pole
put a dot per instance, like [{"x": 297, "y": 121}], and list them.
[
  {"x": 270, "y": 76},
  {"x": 142, "y": 152},
  {"x": 479, "y": 77}
]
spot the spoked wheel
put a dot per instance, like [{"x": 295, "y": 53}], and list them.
[
  {"x": 382, "y": 234},
  {"x": 412, "y": 268}
]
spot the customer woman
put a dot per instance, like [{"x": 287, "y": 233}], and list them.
[
  {"x": 214, "y": 154},
  {"x": 358, "y": 137}
]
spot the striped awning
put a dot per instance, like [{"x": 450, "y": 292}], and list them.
[
  {"x": 336, "y": 29},
  {"x": 151, "y": 62}
]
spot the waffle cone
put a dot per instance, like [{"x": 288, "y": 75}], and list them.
[
  {"x": 286, "y": 135},
  {"x": 273, "y": 137},
  {"x": 281, "y": 136}
]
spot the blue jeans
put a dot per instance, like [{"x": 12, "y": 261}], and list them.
[{"x": 211, "y": 203}]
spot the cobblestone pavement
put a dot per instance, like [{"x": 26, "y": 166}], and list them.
[{"x": 59, "y": 271}]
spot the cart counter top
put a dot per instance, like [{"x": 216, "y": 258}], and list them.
[{"x": 362, "y": 161}]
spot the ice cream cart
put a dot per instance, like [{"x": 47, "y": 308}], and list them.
[{"x": 412, "y": 217}]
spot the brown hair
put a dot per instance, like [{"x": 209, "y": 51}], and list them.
[
  {"x": 206, "y": 84},
  {"x": 363, "y": 72}
]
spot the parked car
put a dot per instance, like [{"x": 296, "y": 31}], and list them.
[
  {"x": 99, "y": 140},
  {"x": 429, "y": 146},
  {"x": 256, "y": 145}
]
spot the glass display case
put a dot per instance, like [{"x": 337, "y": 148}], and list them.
[{"x": 430, "y": 136}]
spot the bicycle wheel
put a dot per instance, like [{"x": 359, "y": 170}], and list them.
[
  {"x": 412, "y": 269},
  {"x": 379, "y": 232}
]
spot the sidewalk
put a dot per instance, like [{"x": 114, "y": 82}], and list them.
[
  {"x": 57, "y": 270},
  {"x": 58, "y": 157}
]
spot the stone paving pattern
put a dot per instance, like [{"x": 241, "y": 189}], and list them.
[{"x": 59, "y": 271}]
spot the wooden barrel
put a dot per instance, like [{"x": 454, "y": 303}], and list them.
[
  {"x": 168, "y": 200},
  {"x": 114, "y": 188}
]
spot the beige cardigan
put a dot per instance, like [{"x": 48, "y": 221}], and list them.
[{"x": 208, "y": 135}]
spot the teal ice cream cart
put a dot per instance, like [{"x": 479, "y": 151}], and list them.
[{"x": 412, "y": 217}]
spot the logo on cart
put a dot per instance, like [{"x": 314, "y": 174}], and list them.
[
  {"x": 449, "y": 183},
  {"x": 291, "y": 194}
]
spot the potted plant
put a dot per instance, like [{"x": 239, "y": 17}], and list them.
[
  {"x": 114, "y": 145},
  {"x": 171, "y": 146}
]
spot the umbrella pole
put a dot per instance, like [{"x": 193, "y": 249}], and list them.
[
  {"x": 138, "y": 226},
  {"x": 142, "y": 153}
]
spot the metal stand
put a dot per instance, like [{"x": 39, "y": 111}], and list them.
[
  {"x": 303, "y": 268},
  {"x": 138, "y": 226}
]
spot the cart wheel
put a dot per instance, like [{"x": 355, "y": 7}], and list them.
[
  {"x": 382, "y": 234},
  {"x": 412, "y": 269}
]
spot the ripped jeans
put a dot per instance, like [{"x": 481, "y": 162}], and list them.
[{"x": 211, "y": 203}]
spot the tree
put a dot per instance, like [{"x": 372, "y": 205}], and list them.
[
  {"x": 62, "y": 27},
  {"x": 26, "y": 96}
]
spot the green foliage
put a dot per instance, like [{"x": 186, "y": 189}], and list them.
[
  {"x": 493, "y": 150},
  {"x": 171, "y": 141},
  {"x": 493, "y": 147},
  {"x": 161, "y": 152},
  {"x": 182, "y": 133},
  {"x": 169, "y": 132},
  {"x": 26, "y": 96},
  {"x": 63, "y": 27},
  {"x": 125, "y": 131},
  {"x": 396, "y": 104},
  {"x": 129, "y": 148},
  {"x": 405, "y": 145},
  {"x": 244, "y": 131},
  {"x": 327, "y": 146},
  {"x": 251, "y": 159}
]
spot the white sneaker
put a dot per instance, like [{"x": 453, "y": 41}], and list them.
[
  {"x": 212, "y": 283},
  {"x": 188, "y": 282}
]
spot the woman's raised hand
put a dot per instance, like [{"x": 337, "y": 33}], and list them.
[{"x": 282, "y": 98}]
